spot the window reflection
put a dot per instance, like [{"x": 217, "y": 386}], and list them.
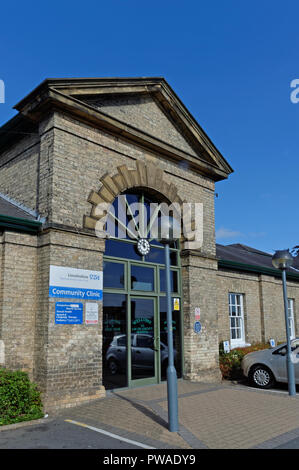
[
  {"x": 173, "y": 281},
  {"x": 173, "y": 258},
  {"x": 114, "y": 275},
  {"x": 119, "y": 249},
  {"x": 142, "y": 278},
  {"x": 156, "y": 255}
]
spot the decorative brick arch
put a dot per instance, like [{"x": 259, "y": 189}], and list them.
[{"x": 146, "y": 176}]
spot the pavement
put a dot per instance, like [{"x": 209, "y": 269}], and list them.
[{"x": 212, "y": 416}]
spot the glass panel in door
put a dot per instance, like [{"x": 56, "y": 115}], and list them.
[
  {"x": 143, "y": 339},
  {"x": 114, "y": 341}
]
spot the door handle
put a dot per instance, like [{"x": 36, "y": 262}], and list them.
[{"x": 138, "y": 352}]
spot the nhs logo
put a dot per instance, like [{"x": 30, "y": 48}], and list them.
[{"x": 94, "y": 277}]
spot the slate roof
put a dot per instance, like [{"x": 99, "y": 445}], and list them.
[
  {"x": 239, "y": 253},
  {"x": 11, "y": 209}
]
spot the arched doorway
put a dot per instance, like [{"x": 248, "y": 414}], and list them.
[{"x": 135, "y": 348}]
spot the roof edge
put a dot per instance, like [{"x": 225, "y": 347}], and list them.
[
  {"x": 21, "y": 206},
  {"x": 19, "y": 224},
  {"x": 60, "y": 82},
  {"x": 153, "y": 85},
  {"x": 223, "y": 263}
]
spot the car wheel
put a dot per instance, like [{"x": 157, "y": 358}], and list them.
[
  {"x": 260, "y": 376},
  {"x": 112, "y": 366}
]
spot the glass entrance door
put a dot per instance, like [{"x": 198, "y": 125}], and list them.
[
  {"x": 145, "y": 343},
  {"x": 135, "y": 349}
]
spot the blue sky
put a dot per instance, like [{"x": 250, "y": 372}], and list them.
[{"x": 230, "y": 62}]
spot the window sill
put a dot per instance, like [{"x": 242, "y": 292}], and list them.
[{"x": 239, "y": 345}]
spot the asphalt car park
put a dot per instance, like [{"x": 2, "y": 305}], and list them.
[{"x": 59, "y": 434}]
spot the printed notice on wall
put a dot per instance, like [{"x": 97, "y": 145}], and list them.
[
  {"x": 91, "y": 313},
  {"x": 197, "y": 314}
]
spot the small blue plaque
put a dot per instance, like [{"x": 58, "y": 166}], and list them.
[
  {"x": 197, "y": 327},
  {"x": 68, "y": 313}
]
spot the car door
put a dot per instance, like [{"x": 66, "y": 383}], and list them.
[
  {"x": 280, "y": 362},
  {"x": 144, "y": 352},
  {"x": 121, "y": 351}
]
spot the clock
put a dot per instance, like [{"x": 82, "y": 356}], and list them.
[{"x": 143, "y": 246}]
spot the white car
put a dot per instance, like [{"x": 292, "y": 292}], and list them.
[{"x": 264, "y": 368}]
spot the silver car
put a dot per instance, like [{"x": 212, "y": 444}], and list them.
[
  {"x": 264, "y": 368},
  {"x": 142, "y": 353}
]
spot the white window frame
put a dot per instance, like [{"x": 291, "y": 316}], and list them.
[
  {"x": 291, "y": 320},
  {"x": 236, "y": 311}
]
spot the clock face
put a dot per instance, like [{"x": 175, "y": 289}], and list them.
[{"x": 143, "y": 246}]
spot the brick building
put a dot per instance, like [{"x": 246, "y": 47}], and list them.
[
  {"x": 250, "y": 299},
  {"x": 78, "y": 143}
]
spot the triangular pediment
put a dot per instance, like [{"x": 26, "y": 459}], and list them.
[{"x": 143, "y": 110}]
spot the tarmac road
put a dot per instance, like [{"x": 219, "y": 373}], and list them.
[{"x": 57, "y": 434}]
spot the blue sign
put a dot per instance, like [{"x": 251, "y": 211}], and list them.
[
  {"x": 68, "y": 313},
  {"x": 75, "y": 293},
  {"x": 197, "y": 327}
]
